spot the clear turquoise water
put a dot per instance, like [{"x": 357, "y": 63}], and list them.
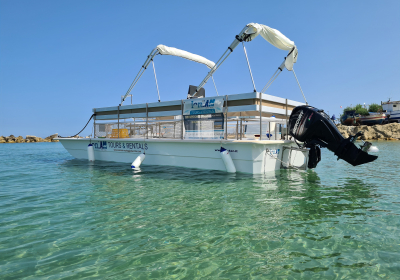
[{"x": 62, "y": 218}]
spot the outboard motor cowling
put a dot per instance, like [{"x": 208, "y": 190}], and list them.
[{"x": 315, "y": 129}]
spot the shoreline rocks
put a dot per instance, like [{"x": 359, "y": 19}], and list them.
[
  {"x": 389, "y": 131},
  {"x": 28, "y": 139}
]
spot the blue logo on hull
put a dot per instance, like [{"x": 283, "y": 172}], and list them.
[{"x": 101, "y": 145}]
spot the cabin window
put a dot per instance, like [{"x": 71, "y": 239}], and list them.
[
  {"x": 208, "y": 126},
  {"x": 394, "y": 105}
]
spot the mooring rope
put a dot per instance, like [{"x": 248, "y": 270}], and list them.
[{"x": 81, "y": 130}]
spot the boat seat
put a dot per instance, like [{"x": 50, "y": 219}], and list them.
[
  {"x": 123, "y": 133},
  {"x": 200, "y": 94}
]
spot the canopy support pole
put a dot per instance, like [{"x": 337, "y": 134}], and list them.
[
  {"x": 247, "y": 34},
  {"x": 216, "y": 66},
  {"x": 227, "y": 53},
  {"x": 299, "y": 86},
  {"x": 248, "y": 64},
  {"x": 141, "y": 71},
  {"x": 214, "y": 85},
  {"x": 155, "y": 77},
  {"x": 274, "y": 76}
]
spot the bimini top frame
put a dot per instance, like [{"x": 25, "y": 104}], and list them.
[
  {"x": 164, "y": 50},
  {"x": 248, "y": 33},
  {"x": 245, "y": 104}
]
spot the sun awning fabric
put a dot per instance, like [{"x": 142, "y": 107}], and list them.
[
  {"x": 184, "y": 54},
  {"x": 277, "y": 39}
]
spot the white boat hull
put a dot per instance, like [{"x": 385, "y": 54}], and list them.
[{"x": 248, "y": 156}]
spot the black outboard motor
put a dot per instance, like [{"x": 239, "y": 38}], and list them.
[{"x": 314, "y": 128}]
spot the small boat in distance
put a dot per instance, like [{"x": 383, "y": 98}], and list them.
[
  {"x": 350, "y": 118},
  {"x": 373, "y": 118}
]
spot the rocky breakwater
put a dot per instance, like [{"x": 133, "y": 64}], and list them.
[
  {"x": 377, "y": 132},
  {"x": 27, "y": 139}
]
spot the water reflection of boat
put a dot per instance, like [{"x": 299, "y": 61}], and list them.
[
  {"x": 350, "y": 118},
  {"x": 372, "y": 119}
]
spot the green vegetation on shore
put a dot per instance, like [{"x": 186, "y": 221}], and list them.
[{"x": 363, "y": 111}]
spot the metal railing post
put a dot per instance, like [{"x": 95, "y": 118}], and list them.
[
  {"x": 237, "y": 129},
  {"x": 118, "y": 122},
  {"x": 241, "y": 126},
  {"x": 94, "y": 126},
  {"x": 182, "y": 118},
  {"x": 226, "y": 117},
  {"x": 269, "y": 130},
  {"x": 260, "y": 116},
  {"x": 147, "y": 121},
  {"x": 287, "y": 128}
]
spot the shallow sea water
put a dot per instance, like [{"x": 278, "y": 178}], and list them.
[{"x": 62, "y": 218}]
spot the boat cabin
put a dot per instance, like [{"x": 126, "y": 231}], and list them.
[{"x": 247, "y": 116}]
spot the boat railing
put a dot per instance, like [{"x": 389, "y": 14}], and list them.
[
  {"x": 237, "y": 129},
  {"x": 238, "y": 117}
]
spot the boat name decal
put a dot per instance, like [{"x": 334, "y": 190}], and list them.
[
  {"x": 102, "y": 145},
  {"x": 207, "y": 104},
  {"x": 201, "y": 106}
]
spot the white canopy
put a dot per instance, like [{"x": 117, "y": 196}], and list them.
[
  {"x": 184, "y": 54},
  {"x": 275, "y": 38}
]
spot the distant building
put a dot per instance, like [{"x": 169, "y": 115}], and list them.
[{"x": 392, "y": 110}]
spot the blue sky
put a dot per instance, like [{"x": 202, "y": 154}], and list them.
[{"x": 60, "y": 59}]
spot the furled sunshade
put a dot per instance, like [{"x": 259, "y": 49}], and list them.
[
  {"x": 184, "y": 54},
  {"x": 277, "y": 39}
]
